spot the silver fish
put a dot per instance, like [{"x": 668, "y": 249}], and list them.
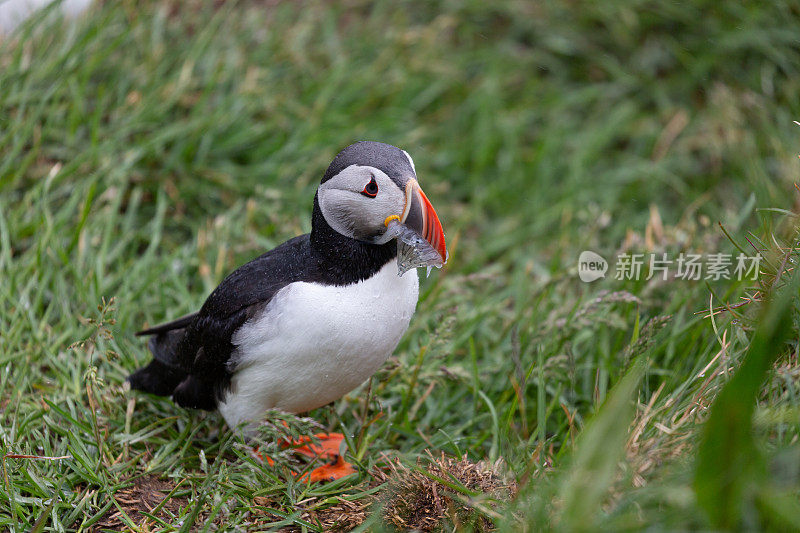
[{"x": 413, "y": 251}]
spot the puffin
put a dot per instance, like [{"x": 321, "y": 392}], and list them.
[{"x": 310, "y": 320}]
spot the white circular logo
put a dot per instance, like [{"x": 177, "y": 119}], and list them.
[{"x": 591, "y": 266}]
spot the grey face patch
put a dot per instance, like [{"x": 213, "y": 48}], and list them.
[{"x": 356, "y": 215}]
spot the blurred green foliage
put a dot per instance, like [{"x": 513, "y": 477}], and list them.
[{"x": 149, "y": 148}]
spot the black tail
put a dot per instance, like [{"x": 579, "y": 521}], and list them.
[
  {"x": 195, "y": 394},
  {"x": 163, "y": 375},
  {"x": 178, "y": 323},
  {"x": 157, "y": 378}
]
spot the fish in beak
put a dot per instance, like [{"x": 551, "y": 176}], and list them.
[
  {"x": 420, "y": 216},
  {"x": 419, "y": 234}
]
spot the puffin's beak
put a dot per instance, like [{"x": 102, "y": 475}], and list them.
[{"x": 420, "y": 216}]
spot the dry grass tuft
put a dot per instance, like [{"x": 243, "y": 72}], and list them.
[
  {"x": 444, "y": 490},
  {"x": 435, "y": 493}
]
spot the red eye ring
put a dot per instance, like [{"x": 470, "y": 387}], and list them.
[{"x": 371, "y": 188}]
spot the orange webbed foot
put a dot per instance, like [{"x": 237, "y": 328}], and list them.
[
  {"x": 326, "y": 445},
  {"x": 261, "y": 457},
  {"x": 336, "y": 469},
  {"x": 323, "y": 445}
]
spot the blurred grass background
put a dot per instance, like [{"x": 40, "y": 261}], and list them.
[{"x": 149, "y": 148}]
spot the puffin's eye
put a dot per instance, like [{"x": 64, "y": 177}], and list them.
[{"x": 371, "y": 188}]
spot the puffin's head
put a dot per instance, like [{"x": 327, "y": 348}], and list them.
[{"x": 368, "y": 186}]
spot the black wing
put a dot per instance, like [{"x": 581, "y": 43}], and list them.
[
  {"x": 191, "y": 353},
  {"x": 255, "y": 283}
]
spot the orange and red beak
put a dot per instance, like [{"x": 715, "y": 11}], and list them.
[{"x": 420, "y": 216}]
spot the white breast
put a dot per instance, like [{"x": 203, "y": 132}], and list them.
[{"x": 314, "y": 343}]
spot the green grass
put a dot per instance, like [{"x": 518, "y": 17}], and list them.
[{"x": 149, "y": 148}]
